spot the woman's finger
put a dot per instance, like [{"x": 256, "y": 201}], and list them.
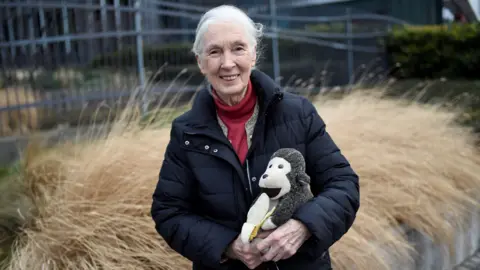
[
  {"x": 289, "y": 251},
  {"x": 271, "y": 253},
  {"x": 264, "y": 234},
  {"x": 279, "y": 257}
]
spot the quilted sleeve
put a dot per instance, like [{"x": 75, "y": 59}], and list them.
[
  {"x": 197, "y": 238},
  {"x": 335, "y": 185}
]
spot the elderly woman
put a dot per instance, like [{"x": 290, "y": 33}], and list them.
[{"x": 220, "y": 148}]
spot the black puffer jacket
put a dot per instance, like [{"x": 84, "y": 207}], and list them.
[{"x": 204, "y": 193}]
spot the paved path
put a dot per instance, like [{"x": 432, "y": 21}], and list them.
[{"x": 471, "y": 263}]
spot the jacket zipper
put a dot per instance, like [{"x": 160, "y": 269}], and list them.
[
  {"x": 277, "y": 98},
  {"x": 249, "y": 179},
  {"x": 242, "y": 168}
]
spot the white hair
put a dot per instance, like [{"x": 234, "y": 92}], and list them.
[{"x": 226, "y": 13}]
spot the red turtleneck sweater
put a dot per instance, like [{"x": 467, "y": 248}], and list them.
[{"x": 235, "y": 117}]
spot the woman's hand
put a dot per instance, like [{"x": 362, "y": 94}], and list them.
[
  {"x": 247, "y": 253},
  {"x": 283, "y": 242}
]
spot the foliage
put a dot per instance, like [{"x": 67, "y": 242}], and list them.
[
  {"x": 177, "y": 54},
  {"x": 92, "y": 197},
  {"x": 449, "y": 51},
  {"x": 178, "y": 57},
  {"x": 341, "y": 27}
]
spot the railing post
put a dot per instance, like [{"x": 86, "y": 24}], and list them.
[
  {"x": 118, "y": 23},
  {"x": 66, "y": 28},
  {"x": 140, "y": 63},
  {"x": 11, "y": 35},
  {"x": 350, "y": 57},
  {"x": 3, "y": 54},
  {"x": 20, "y": 26},
  {"x": 103, "y": 18},
  {"x": 276, "y": 58},
  {"x": 90, "y": 24}
]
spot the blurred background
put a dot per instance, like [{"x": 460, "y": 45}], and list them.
[
  {"x": 73, "y": 64},
  {"x": 61, "y": 60}
]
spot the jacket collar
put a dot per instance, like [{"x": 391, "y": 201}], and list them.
[{"x": 203, "y": 112}]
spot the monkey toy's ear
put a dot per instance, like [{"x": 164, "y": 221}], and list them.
[{"x": 303, "y": 179}]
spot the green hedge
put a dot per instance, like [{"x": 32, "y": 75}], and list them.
[
  {"x": 179, "y": 56},
  {"x": 153, "y": 57},
  {"x": 175, "y": 54},
  {"x": 449, "y": 51},
  {"x": 341, "y": 27}
]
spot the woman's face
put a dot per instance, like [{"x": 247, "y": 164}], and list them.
[{"x": 227, "y": 58}]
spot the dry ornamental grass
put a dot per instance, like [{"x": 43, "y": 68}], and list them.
[{"x": 94, "y": 197}]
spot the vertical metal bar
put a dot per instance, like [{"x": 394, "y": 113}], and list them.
[
  {"x": 103, "y": 18},
  {"x": 21, "y": 27},
  {"x": 118, "y": 24},
  {"x": 184, "y": 24},
  {"x": 43, "y": 26},
  {"x": 90, "y": 25},
  {"x": 11, "y": 30},
  {"x": 55, "y": 46},
  {"x": 276, "y": 57},
  {"x": 31, "y": 31},
  {"x": 140, "y": 64},
  {"x": 2, "y": 34},
  {"x": 66, "y": 29},
  {"x": 349, "y": 30}
]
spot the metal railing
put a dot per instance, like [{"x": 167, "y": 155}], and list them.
[
  {"x": 58, "y": 58},
  {"x": 61, "y": 61}
]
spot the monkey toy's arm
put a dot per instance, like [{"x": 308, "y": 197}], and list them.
[
  {"x": 283, "y": 212},
  {"x": 299, "y": 195},
  {"x": 255, "y": 216},
  {"x": 303, "y": 181}
]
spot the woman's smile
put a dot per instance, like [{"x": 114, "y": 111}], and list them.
[{"x": 229, "y": 78}]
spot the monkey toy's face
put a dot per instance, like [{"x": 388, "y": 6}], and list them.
[{"x": 274, "y": 182}]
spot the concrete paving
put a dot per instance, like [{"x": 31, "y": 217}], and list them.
[{"x": 471, "y": 263}]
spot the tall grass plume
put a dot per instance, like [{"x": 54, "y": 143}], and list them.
[{"x": 415, "y": 167}]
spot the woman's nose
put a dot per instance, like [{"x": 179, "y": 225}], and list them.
[{"x": 228, "y": 61}]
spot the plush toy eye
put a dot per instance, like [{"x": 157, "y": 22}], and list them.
[
  {"x": 280, "y": 166},
  {"x": 270, "y": 166}
]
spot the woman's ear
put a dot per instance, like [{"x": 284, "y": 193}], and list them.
[
  {"x": 254, "y": 56},
  {"x": 199, "y": 63}
]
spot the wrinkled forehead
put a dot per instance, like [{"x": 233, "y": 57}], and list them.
[{"x": 224, "y": 34}]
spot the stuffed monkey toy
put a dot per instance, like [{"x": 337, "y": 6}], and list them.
[{"x": 284, "y": 187}]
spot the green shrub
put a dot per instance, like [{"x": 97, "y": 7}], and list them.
[
  {"x": 341, "y": 27},
  {"x": 153, "y": 57},
  {"x": 178, "y": 56},
  {"x": 435, "y": 51},
  {"x": 175, "y": 54}
]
